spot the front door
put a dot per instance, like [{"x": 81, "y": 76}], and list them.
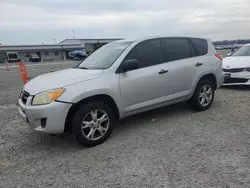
[{"x": 149, "y": 84}]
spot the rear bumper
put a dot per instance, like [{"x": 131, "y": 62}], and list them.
[
  {"x": 240, "y": 78},
  {"x": 220, "y": 80},
  {"x": 54, "y": 116}
]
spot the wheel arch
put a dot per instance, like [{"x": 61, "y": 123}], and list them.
[
  {"x": 211, "y": 77},
  {"x": 99, "y": 97},
  {"x": 207, "y": 76}
]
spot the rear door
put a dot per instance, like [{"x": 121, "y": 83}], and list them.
[
  {"x": 149, "y": 84},
  {"x": 184, "y": 66}
]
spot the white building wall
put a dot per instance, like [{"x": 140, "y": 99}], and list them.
[
  {"x": 50, "y": 56},
  {"x": 46, "y": 56},
  {"x": 22, "y": 56}
]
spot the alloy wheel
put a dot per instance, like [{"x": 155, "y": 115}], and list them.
[
  {"x": 205, "y": 95},
  {"x": 95, "y": 124}
]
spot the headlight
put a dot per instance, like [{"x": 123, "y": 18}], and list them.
[{"x": 47, "y": 97}]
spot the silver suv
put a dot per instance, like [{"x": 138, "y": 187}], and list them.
[{"x": 121, "y": 79}]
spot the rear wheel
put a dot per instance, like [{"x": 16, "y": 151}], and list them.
[
  {"x": 203, "y": 96},
  {"x": 93, "y": 123}
]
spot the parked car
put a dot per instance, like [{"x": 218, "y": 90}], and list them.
[
  {"x": 34, "y": 58},
  {"x": 12, "y": 57},
  {"x": 237, "y": 67},
  {"x": 118, "y": 80},
  {"x": 78, "y": 54}
]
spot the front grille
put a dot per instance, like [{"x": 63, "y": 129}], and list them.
[
  {"x": 234, "y": 70},
  {"x": 24, "y": 96},
  {"x": 235, "y": 80}
]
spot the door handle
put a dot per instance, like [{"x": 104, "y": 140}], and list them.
[
  {"x": 198, "y": 64},
  {"x": 163, "y": 71}
]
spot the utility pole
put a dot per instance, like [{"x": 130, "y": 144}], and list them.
[{"x": 74, "y": 34}]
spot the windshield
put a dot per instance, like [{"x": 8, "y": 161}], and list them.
[
  {"x": 243, "y": 51},
  {"x": 104, "y": 57},
  {"x": 12, "y": 55}
]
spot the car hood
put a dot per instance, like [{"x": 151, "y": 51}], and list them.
[
  {"x": 60, "y": 79},
  {"x": 236, "y": 62}
]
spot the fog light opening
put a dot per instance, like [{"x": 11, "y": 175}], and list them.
[{"x": 43, "y": 122}]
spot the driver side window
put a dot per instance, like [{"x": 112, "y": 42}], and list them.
[{"x": 147, "y": 53}]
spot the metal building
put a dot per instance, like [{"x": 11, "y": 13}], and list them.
[
  {"x": 53, "y": 52},
  {"x": 90, "y": 44}
]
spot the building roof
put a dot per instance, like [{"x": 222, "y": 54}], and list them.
[
  {"x": 77, "y": 41},
  {"x": 67, "y": 44},
  {"x": 40, "y": 47}
]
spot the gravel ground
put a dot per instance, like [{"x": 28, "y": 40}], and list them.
[{"x": 168, "y": 147}]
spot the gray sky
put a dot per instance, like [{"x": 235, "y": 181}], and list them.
[{"x": 37, "y": 21}]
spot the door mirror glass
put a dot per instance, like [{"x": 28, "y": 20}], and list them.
[{"x": 130, "y": 64}]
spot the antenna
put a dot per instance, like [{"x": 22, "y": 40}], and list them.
[{"x": 74, "y": 34}]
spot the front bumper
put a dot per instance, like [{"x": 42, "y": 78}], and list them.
[
  {"x": 239, "y": 78},
  {"x": 54, "y": 115}
]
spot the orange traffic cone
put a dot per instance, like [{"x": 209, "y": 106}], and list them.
[{"x": 23, "y": 71}]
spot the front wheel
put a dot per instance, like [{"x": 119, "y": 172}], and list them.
[
  {"x": 93, "y": 123},
  {"x": 203, "y": 96}
]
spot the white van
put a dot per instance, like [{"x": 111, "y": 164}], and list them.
[{"x": 12, "y": 56}]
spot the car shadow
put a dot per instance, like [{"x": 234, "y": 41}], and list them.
[
  {"x": 238, "y": 87},
  {"x": 64, "y": 141},
  {"x": 152, "y": 116},
  {"x": 67, "y": 142}
]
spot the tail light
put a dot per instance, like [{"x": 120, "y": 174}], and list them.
[{"x": 219, "y": 56}]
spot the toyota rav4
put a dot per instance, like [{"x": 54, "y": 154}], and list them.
[{"x": 121, "y": 79}]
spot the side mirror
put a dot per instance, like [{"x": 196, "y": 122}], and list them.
[
  {"x": 130, "y": 64},
  {"x": 229, "y": 54}
]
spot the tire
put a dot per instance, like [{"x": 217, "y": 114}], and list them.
[
  {"x": 196, "y": 100},
  {"x": 82, "y": 130}
]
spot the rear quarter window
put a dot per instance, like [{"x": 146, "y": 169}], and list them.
[{"x": 200, "y": 46}]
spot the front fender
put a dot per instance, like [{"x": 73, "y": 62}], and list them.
[{"x": 77, "y": 92}]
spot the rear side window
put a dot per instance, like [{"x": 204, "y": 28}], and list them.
[
  {"x": 200, "y": 46},
  {"x": 148, "y": 53},
  {"x": 176, "y": 49}
]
